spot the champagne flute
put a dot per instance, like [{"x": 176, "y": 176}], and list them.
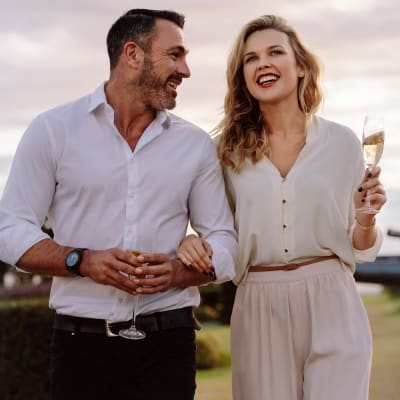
[
  {"x": 372, "y": 142},
  {"x": 133, "y": 333}
]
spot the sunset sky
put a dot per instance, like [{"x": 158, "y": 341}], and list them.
[{"x": 54, "y": 51}]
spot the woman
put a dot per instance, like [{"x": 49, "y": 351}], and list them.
[{"x": 299, "y": 329}]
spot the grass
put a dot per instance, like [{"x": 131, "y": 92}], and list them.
[
  {"x": 384, "y": 315},
  {"x": 215, "y": 384}
]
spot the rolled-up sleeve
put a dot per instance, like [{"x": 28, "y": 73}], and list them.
[
  {"x": 28, "y": 194},
  {"x": 210, "y": 214},
  {"x": 370, "y": 254}
]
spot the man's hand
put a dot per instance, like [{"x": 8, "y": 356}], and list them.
[
  {"x": 111, "y": 267},
  {"x": 159, "y": 273},
  {"x": 156, "y": 273}
]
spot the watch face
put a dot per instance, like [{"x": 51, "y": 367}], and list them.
[{"x": 72, "y": 258}]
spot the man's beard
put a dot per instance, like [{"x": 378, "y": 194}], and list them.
[{"x": 153, "y": 89}]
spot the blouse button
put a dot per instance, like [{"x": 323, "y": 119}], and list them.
[
  {"x": 284, "y": 226},
  {"x": 286, "y": 250},
  {"x": 284, "y": 201}
]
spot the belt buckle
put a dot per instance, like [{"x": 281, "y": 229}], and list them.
[{"x": 108, "y": 330}]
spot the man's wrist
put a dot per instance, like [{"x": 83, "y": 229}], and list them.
[
  {"x": 177, "y": 265},
  {"x": 184, "y": 277}
]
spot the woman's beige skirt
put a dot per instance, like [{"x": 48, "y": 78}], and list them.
[{"x": 300, "y": 335}]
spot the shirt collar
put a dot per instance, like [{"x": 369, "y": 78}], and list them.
[
  {"x": 312, "y": 130},
  {"x": 163, "y": 118},
  {"x": 98, "y": 97}
]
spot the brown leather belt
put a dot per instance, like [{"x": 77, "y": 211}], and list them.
[
  {"x": 289, "y": 267},
  {"x": 159, "y": 321}
]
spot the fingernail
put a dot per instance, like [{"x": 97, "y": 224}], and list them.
[
  {"x": 360, "y": 189},
  {"x": 138, "y": 271}
]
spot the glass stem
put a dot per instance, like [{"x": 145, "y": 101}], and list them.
[
  {"x": 135, "y": 301},
  {"x": 367, "y": 201}
]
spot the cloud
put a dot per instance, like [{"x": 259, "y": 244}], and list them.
[{"x": 54, "y": 51}]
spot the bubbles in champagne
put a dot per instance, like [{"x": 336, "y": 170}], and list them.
[{"x": 373, "y": 148}]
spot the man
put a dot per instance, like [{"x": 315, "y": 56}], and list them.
[{"x": 115, "y": 171}]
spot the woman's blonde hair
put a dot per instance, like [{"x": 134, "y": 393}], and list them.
[{"x": 242, "y": 129}]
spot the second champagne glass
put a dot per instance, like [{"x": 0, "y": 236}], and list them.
[{"x": 372, "y": 142}]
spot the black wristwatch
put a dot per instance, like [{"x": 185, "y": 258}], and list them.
[{"x": 73, "y": 261}]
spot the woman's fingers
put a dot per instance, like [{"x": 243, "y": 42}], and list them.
[
  {"x": 184, "y": 257},
  {"x": 200, "y": 257},
  {"x": 207, "y": 248},
  {"x": 195, "y": 252}
]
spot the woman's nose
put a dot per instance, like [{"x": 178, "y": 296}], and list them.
[{"x": 263, "y": 64}]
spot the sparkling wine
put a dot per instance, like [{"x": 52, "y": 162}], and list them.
[{"x": 373, "y": 148}]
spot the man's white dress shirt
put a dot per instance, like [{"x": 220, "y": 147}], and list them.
[{"x": 73, "y": 166}]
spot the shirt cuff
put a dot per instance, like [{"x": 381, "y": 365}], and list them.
[
  {"x": 370, "y": 254},
  {"x": 18, "y": 247},
  {"x": 223, "y": 263}
]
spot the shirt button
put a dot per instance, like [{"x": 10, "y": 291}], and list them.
[
  {"x": 284, "y": 201},
  {"x": 284, "y": 226},
  {"x": 286, "y": 250}
]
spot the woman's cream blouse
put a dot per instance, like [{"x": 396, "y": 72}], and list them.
[{"x": 307, "y": 214}]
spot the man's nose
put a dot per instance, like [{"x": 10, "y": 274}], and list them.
[{"x": 183, "y": 69}]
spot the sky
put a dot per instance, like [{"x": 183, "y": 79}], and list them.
[{"x": 53, "y": 51}]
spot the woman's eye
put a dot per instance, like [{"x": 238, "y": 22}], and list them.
[
  {"x": 276, "y": 52},
  {"x": 249, "y": 59}
]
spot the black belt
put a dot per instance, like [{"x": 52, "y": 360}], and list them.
[{"x": 180, "y": 318}]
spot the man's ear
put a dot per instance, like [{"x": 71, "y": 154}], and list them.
[{"x": 133, "y": 54}]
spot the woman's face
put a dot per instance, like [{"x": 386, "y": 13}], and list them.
[{"x": 269, "y": 67}]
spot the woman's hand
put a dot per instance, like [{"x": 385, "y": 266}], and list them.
[
  {"x": 196, "y": 253},
  {"x": 370, "y": 189},
  {"x": 365, "y": 233}
]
